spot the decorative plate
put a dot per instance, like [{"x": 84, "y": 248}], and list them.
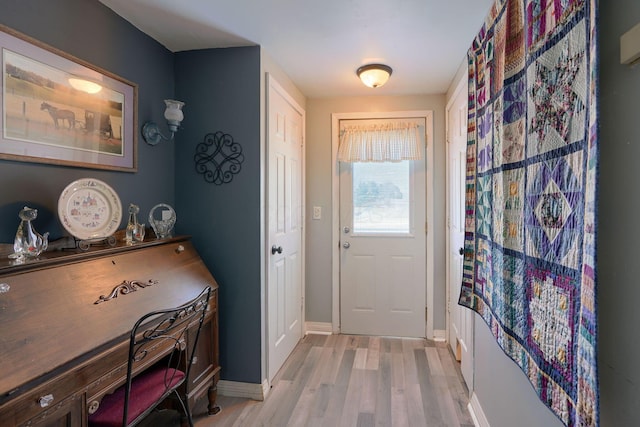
[{"x": 89, "y": 209}]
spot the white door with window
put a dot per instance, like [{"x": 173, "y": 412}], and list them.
[
  {"x": 383, "y": 244},
  {"x": 285, "y": 210},
  {"x": 460, "y": 318}
]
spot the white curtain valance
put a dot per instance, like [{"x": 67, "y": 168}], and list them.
[{"x": 391, "y": 142}]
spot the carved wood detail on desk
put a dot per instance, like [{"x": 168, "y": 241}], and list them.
[
  {"x": 124, "y": 288},
  {"x": 59, "y": 341}
]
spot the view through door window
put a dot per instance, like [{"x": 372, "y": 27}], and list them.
[{"x": 381, "y": 197}]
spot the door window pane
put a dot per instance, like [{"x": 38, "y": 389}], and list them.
[{"x": 381, "y": 197}]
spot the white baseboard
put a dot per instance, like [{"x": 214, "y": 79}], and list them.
[
  {"x": 439, "y": 335},
  {"x": 318, "y": 328},
  {"x": 247, "y": 390},
  {"x": 479, "y": 419},
  {"x": 324, "y": 328}
]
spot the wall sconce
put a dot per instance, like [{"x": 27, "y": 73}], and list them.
[
  {"x": 173, "y": 114},
  {"x": 374, "y": 75}
]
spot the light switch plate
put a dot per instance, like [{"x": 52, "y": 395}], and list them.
[{"x": 317, "y": 212}]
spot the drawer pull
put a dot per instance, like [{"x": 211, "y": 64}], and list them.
[
  {"x": 93, "y": 407},
  {"x": 45, "y": 401},
  {"x": 4, "y": 288},
  {"x": 195, "y": 360},
  {"x": 179, "y": 249}
]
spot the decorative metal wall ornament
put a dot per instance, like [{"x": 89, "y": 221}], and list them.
[{"x": 218, "y": 167}]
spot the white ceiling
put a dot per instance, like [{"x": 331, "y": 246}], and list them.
[{"x": 321, "y": 43}]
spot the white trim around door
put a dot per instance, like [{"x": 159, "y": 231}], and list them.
[{"x": 335, "y": 198}]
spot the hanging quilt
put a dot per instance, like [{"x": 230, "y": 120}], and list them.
[{"x": 529, "y": 264}]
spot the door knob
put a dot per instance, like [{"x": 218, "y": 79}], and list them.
[
  {"x": 346, "y": 245},
  {"x": 461, "y": 251},
  {"x": 275, "y": 249}
]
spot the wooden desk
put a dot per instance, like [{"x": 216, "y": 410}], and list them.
[{"x": 64, "y": 326}]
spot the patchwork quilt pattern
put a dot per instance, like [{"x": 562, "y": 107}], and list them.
[{"x": 529, "y": 264}]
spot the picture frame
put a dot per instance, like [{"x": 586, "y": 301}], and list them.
[{"x": 58, "y": 109}]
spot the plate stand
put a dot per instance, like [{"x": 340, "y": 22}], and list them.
[{"x": 84, "y": 245}]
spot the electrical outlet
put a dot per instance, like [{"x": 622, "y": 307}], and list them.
[{"x": 317, "y": 212}]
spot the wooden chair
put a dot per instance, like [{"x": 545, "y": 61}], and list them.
[{"x": 149, "y": 380}]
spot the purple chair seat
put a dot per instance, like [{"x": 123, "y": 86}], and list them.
[{"x": 146, "y": 389}]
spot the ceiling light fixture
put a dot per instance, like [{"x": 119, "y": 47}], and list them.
[
  {"x": 374, "y": 75},
  {"x": 172, "y": 114}
]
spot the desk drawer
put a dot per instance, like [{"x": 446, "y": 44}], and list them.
[
  {"x": 71, "y": 385},
  {"x": 69, "y": 413},
  {"x": 46, "y": 402}
]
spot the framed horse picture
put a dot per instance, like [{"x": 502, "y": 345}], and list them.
[{"x": 60, "y": 110}]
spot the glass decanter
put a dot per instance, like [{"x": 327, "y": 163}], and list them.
[{"x": 132, "y": 224}]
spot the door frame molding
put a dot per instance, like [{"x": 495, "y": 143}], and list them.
[
  {"x": 335, "y": 202},
  {"x": 460, "y": 88},
  {"x": 460, "y": 85}
]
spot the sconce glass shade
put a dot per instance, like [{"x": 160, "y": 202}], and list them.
[
  {"x": 85, "y": 85},
  {"x": 173, "y": 113},
  {"x": 374, "y": 75}
]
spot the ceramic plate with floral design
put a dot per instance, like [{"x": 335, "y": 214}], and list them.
[{"x": 89, "y": 209}]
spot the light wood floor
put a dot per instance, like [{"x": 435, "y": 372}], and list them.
[{"x": 344, "y": 380}]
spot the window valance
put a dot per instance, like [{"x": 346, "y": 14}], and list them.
[{"x": 391, "y": 142}]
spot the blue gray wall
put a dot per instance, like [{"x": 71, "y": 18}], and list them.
[
  {"x": 93, "y": 33},
  {"x": 222, "y": 92},
  {"x": 618, "y": 233},
  {"x": 221, "y": 89}
]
